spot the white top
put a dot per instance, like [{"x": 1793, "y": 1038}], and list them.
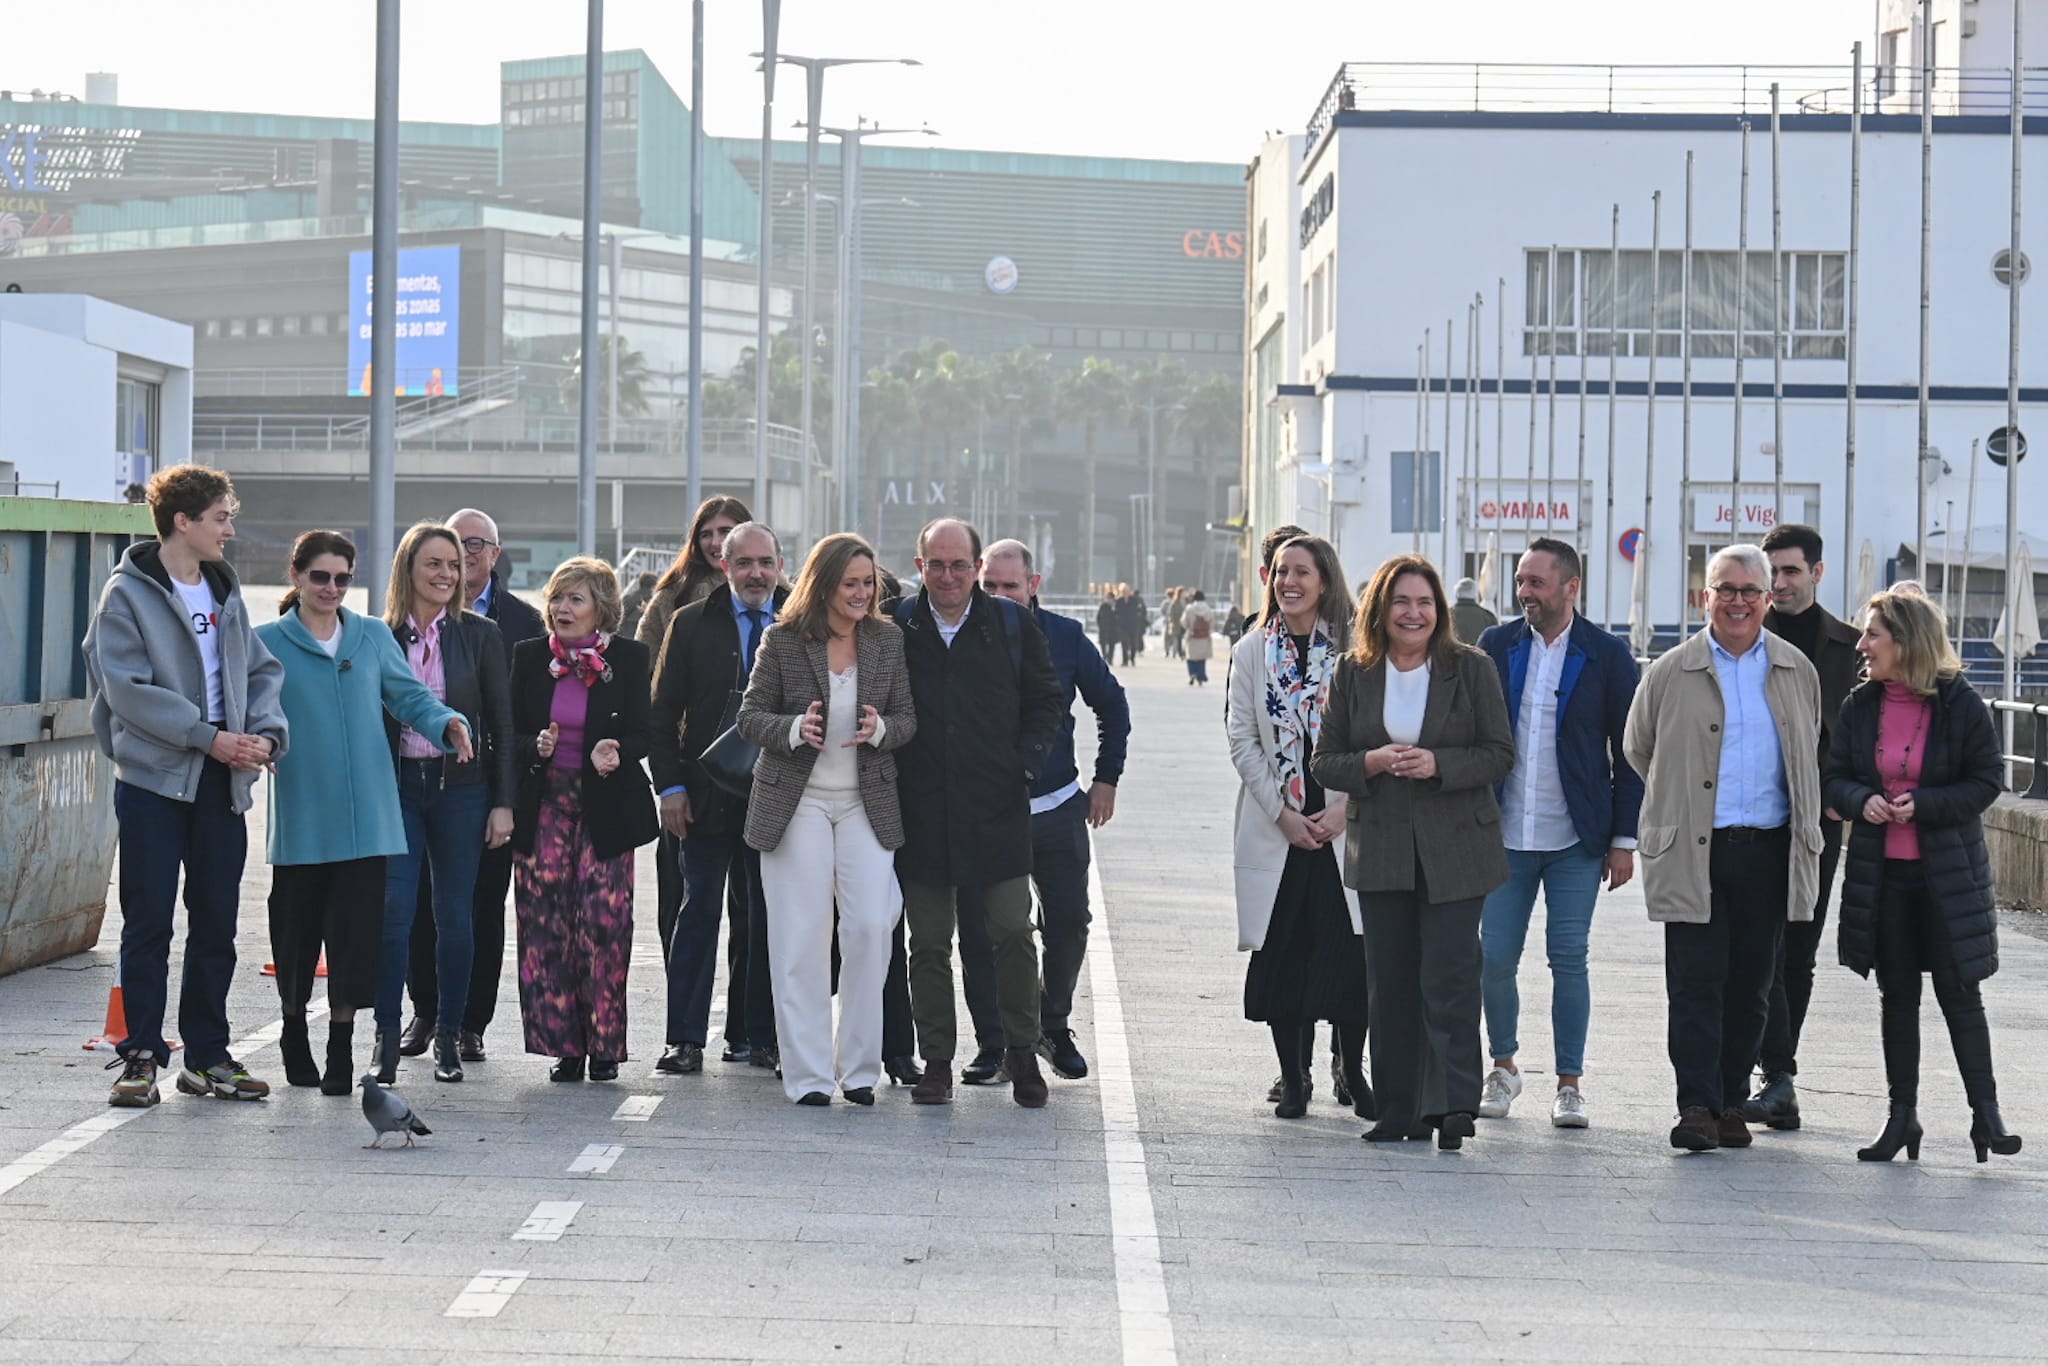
[
  {"x": 333, "y": 642},
  {"x": 201, "y": 611},
  {"x": 1054, "y": 800},
  {"x": 1407, "y": 698},
  {"x": 946, "y": 633},
  {"x": 1533, "y": 813},
  {"x": 837, "y": 769}
]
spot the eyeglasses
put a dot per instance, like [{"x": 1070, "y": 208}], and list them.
[
  {"x": 321, "y": 578},
  {"x": 476, "y": 545},
  {"x": 1726, "y": 592},
  {"x": 954, "y": 568}
]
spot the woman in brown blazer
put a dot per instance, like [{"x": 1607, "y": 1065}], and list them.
[
  {"x": 828, "y": 699},
  {"x": 1417, "y": 733}
]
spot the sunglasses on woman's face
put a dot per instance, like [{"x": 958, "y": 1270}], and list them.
[{"x": 320, "y": 578}]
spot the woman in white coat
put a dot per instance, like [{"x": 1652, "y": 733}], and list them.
[{"x": 1293, "y": 911}]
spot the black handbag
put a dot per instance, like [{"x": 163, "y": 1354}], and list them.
[{"x": 729, "y": 760}]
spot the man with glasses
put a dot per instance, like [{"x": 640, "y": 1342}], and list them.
[
  {"x": 989, "y": 708},
  {"x": 1724, "y": 730},
  {"x": 484, "y": 588}
]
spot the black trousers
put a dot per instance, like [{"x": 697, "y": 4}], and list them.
[
  {"x": 1060, "y": 855},
  {"x": 487, "y": 926},
  {"x": 1792, "y": 985},
  {"x": 1717, "y": 976},
  {"x": 1422, "y": 968},
  {"x": 899, "y": 1026},
  {"x": 338, "y": 907},
  {"x": 1911, "y": 940}
]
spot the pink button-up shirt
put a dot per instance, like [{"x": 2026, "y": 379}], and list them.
[{"x": 423, "y": 652}]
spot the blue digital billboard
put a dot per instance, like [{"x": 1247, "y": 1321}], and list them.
[{"x": 429, "y": 312}]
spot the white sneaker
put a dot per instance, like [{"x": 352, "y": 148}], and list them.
[
  {"x": 1568, "y": 1111},
  {"x": 1502, "y": 1086}
]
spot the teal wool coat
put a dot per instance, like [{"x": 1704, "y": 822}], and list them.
[{"x": 335, "y": 797}]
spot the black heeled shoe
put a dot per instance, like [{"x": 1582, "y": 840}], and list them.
[
  {"x": 814, "y": 1098},
  {"x": 861, "y": 1095},
  {"x": 340, "y": 1077},
  {"x": 1452, "y": 1131},
  {"x": 1901, "y": 1130},
  {"x": 386, "y": 1053},
  {"x": 604, "y": 1069},
  {"x": 566, "y": 1069},
  {"x": 1989, "y": 1134},
  {"x": 1293, "y": 1099},
  {"x": 295, "y": 1044},
  {"x": 903, "y": 1071}
]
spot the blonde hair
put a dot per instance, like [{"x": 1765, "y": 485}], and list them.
[
  {"x": 587, "y": 571},
  {"x": 1919, "y": 628},
  {"x": 398, "y": 594},
  {"x": 808, "y": 611}
]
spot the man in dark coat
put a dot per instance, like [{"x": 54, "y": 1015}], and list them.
[
  {"x": 705, "y": 657},
  {"x": 483, "y": 583},
  {"x": 1830, "y": 645},
  {"x": 989, "y": 712}
]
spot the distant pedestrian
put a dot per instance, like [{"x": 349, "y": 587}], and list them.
[
  {"x": 1469, "y": 617},
  {"x": 1131, "y": 618},
  {"x": 579, "y": 710},
  {"x": 1108, "y": 626},
  {"x": 636, "y": 602},
  {"x": 1172, "y": 610},
  {"x": 1233, "y": 623},
  {"x": 1198, "y": 626}
]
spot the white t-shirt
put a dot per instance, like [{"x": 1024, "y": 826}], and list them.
[
  {"x": 333, "y": 643},
  {"x": 1407, "y": 699},
  {"x": 204, "y": 615},
  {"x": 837, "y": 768}
]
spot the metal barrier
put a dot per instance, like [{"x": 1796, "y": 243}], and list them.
[{"x": 2037, "y": 788}]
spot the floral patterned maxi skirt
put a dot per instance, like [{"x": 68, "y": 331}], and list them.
[{"x": 575, "y": 919}]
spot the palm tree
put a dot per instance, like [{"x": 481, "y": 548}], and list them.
[
  {"x": 885, "y": 416},
  {"x": 1092, "y": 395},
  {"x": 950, "y": 392},
  {"x": 1212, "y": 418},
  {"x": 1022, "y": 389},
  {"x": 1155, "y": 399},
  {"x": 632, "y": 380}
]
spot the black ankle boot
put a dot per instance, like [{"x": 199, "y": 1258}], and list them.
[
  {"x": 385, "y": 1052},
  {"x": 340, "y": 1077},
  {"x": 1293, "y": 1097},
  {"x": 297, "y": 1047},
  {"x": 1901, "y": 1130},
  {"x": 1989, "y": 1134},
  {"x": 447, "y": 1060}
]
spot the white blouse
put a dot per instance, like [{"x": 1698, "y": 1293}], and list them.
[
  {"x": 837, "y": 768},
  {"x": 1406, "y": 700}
]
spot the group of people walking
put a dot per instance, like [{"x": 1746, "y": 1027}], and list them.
[
  {"x": 830, "y": 759},
  {"x": 1406, "y": 795}
]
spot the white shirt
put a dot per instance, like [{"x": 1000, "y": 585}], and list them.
[
  {"x": 946, "y": 633},
  {"x": 333, "y": 642},
  {"x": 204, "y": 616},
  {"x": 1533, "y": 813},
  {"x": 836, "y": 769},
  {"x": 1054, "y": 800},
  {"x": 1407, "y": 699}
]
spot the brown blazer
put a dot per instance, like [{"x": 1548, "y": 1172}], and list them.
[
  {"x": 1449, "y": 823},
  {"x": 790, "y": 673}
]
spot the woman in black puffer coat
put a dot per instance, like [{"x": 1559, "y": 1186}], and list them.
[{"x": 1914, "y": 764}]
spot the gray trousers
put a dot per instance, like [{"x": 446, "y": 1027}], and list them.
[
  {"x": 1422, "y": 966},
  {"x": 929, "y": 911}
]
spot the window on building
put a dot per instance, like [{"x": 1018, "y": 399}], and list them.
[
  {"x": 1316, "y": 322},
  {"x": 1262, "y": 242},
  {"x": 289, "y": 325},
  {"x": 264, "y": 326},
  {"x": 1618, "y": 313},
  {"x": 238, "y": 327},
  {"x": 211, "y": 327},
  {"x": 319, "y": 324},
  {"x": 1402, "y": 471},
  {"x": 1891, "y": 54},
  {"x": 137, "y": 405}
]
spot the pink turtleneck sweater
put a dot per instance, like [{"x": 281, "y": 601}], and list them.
[{"x": 1903, "y": 720}]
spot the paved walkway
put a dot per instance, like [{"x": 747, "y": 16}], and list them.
[{"x": 1157, "y": 1213}]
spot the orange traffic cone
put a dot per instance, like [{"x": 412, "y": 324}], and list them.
[
  {"x": 116, "y": 1028},
  {"x": 319, "y": 969}
]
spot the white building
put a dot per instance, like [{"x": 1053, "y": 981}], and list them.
[
  {"x": 93, "y": 396},
  {"x": 1417, "y": 189}
]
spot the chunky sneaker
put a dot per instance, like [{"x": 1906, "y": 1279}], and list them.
[
  {"x": 1057, "y": 1048},
  {"x": 226, "y": 1079},
  {"x": 136, "y": 1090},
  {"x": 1568, "y": 1111},
  {"x": 1502, "y": 1086}
]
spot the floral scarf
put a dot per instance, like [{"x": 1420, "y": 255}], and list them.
[
  {"x": 1295, "y": 694},
  {"x": 584, "y": 659}
]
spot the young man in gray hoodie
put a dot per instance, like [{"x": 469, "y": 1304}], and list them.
[{"x": 186, "y": 702}]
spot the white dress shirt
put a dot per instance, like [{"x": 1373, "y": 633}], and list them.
[
  {"x": 1407, "y": 699},
  {"x": 1534, "y": 815}
]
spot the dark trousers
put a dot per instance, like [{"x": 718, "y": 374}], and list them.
[
  {"x": 710, "y": 864},
  {"x": 668, "y": 887},
  {"x": 331, "y": 908},
  {"x": 1717, "y": 976},
  {"x": 932, "y": 910},
  {"x": 1059, "y": 869},
  {"x": 487, "y": 938},
  {"x": 444, "y": 830},
  {"x": 1792, "y": 984},
  {"x": 1422, "y": 966},
  {"x": 209, "y": 841},
  {"x": 1911, "y": 940},
  {"x": 899, "y": 1026}
]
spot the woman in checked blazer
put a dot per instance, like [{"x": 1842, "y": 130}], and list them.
[{"x": 828, "y": 699}]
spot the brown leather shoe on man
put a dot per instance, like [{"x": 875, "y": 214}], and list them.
[
  {"x": 1027, "y": 1083},
  {"x": 1697, "y": 1131},
  {"x": 935, "y": 1087},
  {"x": 1734, "y": 1132},
  {"x": 418, "y": 1035}
]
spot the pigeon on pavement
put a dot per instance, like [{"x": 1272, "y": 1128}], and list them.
[{"x": 388, "y": 1113}]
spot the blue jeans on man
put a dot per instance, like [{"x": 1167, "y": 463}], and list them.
[
  {"x": 708, "y": 861},
  {"x": 444, "y": 829},
  {"x": 1570, "y": 882}
]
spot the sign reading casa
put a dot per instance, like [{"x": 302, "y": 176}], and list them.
[{"x": 1201, "y": 245}]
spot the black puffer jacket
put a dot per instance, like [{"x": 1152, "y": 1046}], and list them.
[{"x": 1959, "y": 778}]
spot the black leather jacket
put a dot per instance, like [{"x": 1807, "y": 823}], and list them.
[{"x": 479, "y": 685}]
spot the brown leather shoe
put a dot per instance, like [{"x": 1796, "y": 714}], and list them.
[
  {"x": 1734, "y": 1132},
  {"x": 935, "y": 1087},
  {"x": 1697, "y": 1131},
  {"x": 419, "y": 1033},
  {"x": 1027, "y": 1083}
]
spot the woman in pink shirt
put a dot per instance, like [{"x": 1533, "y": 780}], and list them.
[{"x": 1915, "y": 761}]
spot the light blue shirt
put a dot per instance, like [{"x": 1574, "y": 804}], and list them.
[{"x": 1750, "y": 789}]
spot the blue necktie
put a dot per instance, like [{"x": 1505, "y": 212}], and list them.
[{"x": 756, "y": 624}]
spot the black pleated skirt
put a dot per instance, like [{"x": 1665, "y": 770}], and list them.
[{"x": 1312, "y": 966}]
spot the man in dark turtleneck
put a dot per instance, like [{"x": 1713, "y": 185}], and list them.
[{"x": 1795, "y": 555}]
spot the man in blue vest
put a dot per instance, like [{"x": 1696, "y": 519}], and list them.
[
  {"x": 1568, "y": 814},
  {"x": 1061, "y": 813}
]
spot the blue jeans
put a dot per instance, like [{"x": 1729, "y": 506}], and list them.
[
  {"x": 445, "y": 826},
  {"x": 158, "y": 836},
  {"x": 708, "y": 860},
  {"x": 1570, "y": 879}
]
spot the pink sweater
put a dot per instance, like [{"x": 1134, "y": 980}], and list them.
[{"x": 1903, "y": 720}]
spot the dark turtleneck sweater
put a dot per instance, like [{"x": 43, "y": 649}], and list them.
[{"x": 1802, "y": 630}]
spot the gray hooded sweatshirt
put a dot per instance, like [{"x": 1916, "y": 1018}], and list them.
[{"x": 148, "y": 682}]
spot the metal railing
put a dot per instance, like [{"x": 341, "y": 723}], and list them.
[
  {"x": 327, "y": 381},
  {"x": 2037, "y": 763}
]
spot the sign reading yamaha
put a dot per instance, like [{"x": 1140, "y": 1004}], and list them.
[{"x": 1320, "y": 206}]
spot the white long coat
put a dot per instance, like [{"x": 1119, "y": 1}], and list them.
[{"x": 1260, "y": 855}]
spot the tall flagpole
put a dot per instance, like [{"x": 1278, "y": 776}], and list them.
[
  {"x": 1582, "y": 297},
  {"x": 1679, "y": 543},
  {"x": 1550, "y": 456},
  {"x": 1529, "y": 497},
  {"x": 1777, "y": 318},
  {"x": 1649, "y": 537},
  {"x": 1613, "y": 366},
  {"x": 1855, "y": 261},
  {"x": 1741, "y": 340},
  {"x": 2012, "y": 379},
  {"x": 1421, "y": 488},
  {"x": 1444, "y": 465},
  {"x": 1415, "y": 483},
  {"x": 1926, "y": 274},
  {"x": 1500, "y": 420},
  {"x": 1467, "y": 488}
]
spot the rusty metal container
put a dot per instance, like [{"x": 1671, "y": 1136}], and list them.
[{"x": 56, "y": 789}]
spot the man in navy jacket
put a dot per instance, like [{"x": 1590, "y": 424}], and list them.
[
  {"x": 1061, "y": 812},
  {"x": 1568, "y": 813}
]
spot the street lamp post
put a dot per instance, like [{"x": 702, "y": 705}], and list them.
[
  {"x": 384, "y": 313},
  {"x": 771, "y": 17},
  {"x": 593, "y": 190},
  {"x": 694, "y": 431}
]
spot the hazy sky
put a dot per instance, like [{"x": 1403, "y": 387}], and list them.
[{"x": 1184, "y": 79}]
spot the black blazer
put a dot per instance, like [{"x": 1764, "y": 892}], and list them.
[
  {"x": 479, "y": 685},
  {"x": 618, "y": 811},
  {"x": 695, "y": 675}
]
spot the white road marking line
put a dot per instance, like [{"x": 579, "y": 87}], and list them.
[
  {"x": 548, "y": 1222},
  {"x": 637, "y": 1107},
  {"x": 86, "y": 1132},
  {"x": 487, "y": 1292},
  {"x": 1143, "y": 1318},
  {"x": 596, "y": 1159}
]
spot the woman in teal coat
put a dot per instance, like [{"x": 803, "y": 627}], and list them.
[{"x": 334, "y": 814}]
